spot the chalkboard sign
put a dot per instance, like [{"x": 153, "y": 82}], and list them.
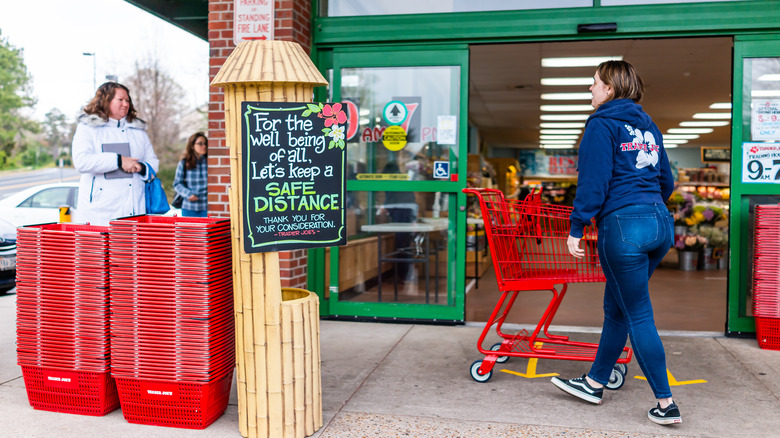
[
  {"x": 294, "y": 183},
  {"x": 715, "y": 155}
]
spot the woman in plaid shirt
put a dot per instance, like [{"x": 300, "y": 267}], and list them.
[{"x": 191, "y": 180}]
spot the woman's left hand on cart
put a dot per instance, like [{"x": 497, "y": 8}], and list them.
[{"x": 574, "y": 247}]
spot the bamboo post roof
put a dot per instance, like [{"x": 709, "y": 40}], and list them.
[{"x": 268, "y": 61}]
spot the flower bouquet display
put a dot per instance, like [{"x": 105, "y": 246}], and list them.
[
  {"x": 688, "y": 248},
  {"x": 715, "y": 250},
  {"x": 681, "y": 205}
]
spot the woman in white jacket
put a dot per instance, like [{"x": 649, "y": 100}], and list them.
[{"x": 113, "y": 153}]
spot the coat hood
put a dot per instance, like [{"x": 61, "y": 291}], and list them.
[
  {"x": 624, "y": 110},
  {"x": 95, "y": 121}
]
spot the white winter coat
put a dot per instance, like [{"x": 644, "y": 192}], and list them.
[{"x": 100, "y": 199}]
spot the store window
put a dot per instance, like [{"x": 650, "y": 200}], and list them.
[
  {"x": 415, "y": 100},
  {"x": 760, "y": 143},
  {"x": 402, "y": 138},
  {"x": 347, "y": 8}
]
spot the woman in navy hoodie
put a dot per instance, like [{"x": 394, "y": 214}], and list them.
[{"x": 624, "y": 181}]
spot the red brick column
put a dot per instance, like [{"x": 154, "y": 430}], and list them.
[{"x": 292, "y": 22}]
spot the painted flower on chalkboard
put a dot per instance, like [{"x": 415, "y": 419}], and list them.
[
  {"x": 337, "y": 135},
  {"x": 334, "y": 116}
]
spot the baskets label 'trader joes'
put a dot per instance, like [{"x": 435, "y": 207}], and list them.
[
  {"x": 160, "y": 391},
  {"x": 61, "y": 379}
]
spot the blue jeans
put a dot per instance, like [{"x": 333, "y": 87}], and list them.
[
  {"x": 194, "y": 213},
  {"x": 631, "y": 243}
]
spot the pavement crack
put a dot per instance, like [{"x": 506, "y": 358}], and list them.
[{"x": 9, "y": 381}]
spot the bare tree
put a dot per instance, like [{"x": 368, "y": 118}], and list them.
[{"x": 55, "y": 130}]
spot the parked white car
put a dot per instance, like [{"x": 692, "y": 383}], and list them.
[
  {"x": 39, "y": 204},
  {"x": 7, "y": 257}
]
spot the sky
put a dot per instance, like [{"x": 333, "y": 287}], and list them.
[{"x": 55, "y": 33}]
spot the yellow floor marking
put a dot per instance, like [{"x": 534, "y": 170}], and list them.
[
  {"x": 531, "y": 369},
  {"x": 673, "y": 381}
]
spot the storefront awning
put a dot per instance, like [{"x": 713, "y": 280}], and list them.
[{"x": 190, "y": 15}]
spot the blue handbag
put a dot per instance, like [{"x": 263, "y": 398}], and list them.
[{"x": 156, "y": 201}]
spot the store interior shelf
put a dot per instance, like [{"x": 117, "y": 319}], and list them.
[
  {"x": 559, "y": 178},
  {"x": 702, "y": 184}
]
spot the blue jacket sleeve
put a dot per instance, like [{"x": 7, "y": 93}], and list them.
[{"x": 595, "y": 172}]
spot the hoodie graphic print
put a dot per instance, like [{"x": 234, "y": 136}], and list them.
[{"x": 621, "y": 162}]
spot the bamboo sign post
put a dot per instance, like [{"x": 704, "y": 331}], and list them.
[{"x": 277, "y": 331}]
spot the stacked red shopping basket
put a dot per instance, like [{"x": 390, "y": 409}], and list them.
[
  {"x": 62, "y": 319},
  {"x": 766, "y": 276},
  {"x": 173, "y": 346}
]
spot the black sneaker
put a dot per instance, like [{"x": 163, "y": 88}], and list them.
[
  {"x": 579, "y": 387},
  {"x": 670, "y": 415}
]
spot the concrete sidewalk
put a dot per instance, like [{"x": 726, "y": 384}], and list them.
[{"x": 388, "y": 380}]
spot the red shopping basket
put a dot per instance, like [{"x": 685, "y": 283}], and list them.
[
  {"x": 766, "y": 275},
  {"x": 72, "y": 392},
  {"x": 527, "y": 241},
  {"x": 189, "y": 405}
]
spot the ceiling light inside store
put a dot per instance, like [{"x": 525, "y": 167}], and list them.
[
  {"x": 567, "y": 81},
  {"x": 563, "y": 117},
  {"x": 765, "y": 93},
  {"x": 566, "y": 96},
  {"x": 589, "y": 61},
  {"x": 558, "y": 141},
  {"x": 712, "y": 116},
  {"x": 559, "y": 137},
  {"x": 690, "y": 131},
  {"x": 721, "y": 106},
  {"x": 561, "y": 131},
  {"x": 769, "y": 77},
  {"x": 700, "y": 124},
  {"x": 555, "y": 146},
  {"x": 680, "y": 137},
  {"x": 561, "y": 125},
  {"x": 566, "y": 108},
  {"x": 670, "y": 145}
]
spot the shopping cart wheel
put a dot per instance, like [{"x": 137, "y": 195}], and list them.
[
  {"x": 623, "y": 368},
  {"x": 616, "y": 380},
  {"x": 497, "y": 347},
  {"x": 481, "y": 378}
]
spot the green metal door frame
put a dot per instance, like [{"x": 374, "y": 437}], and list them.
[
  {"x": 751, "y": 23},
  {"x": 406, "y": 56},
  {"x": 556, "y": 24},
  {"x": 762, "y": 46}
]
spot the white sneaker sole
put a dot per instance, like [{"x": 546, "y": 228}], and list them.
[
  {"x": 580, "y": 395},
  {"x": 664, "y": 421}
]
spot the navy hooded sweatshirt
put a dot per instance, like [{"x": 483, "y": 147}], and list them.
[{"x": 622, "y": 162}]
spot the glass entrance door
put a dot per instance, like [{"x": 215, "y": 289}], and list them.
[
  {"x": 755, "y": 164},
  {"x": 406, "y": 149}
]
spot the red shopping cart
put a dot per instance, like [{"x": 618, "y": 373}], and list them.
[{"x": 527, "y": 241}]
